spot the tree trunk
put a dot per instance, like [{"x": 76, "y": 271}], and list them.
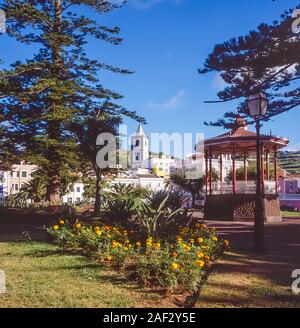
[
  {"x": 193, "y": 200},
  {"x": 53, "y": 190},
  {"x": 54, "y": 125},
  {"x": 97, "y": 206}
]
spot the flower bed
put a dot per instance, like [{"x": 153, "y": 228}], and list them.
[{"x": 179, "y": 264}]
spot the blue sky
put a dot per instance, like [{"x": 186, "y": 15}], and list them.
[{"x": 165, "y": 42}]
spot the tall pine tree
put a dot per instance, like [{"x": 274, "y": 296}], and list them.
[
  {"x": 41, "y": 98},
  {"x": 266, "y": 59}
]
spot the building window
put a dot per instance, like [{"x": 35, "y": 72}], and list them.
[
  {"x": 78, "y": 189},
  {"x": 18, "y": 174},
  {"x": 137, "y": 143},
  {"x": 78, "y": 200},
  {"x": 24, "y": 174},
  {"x": 137, "y": 157},
  {"x": 16, "y": 187},
  {"x": 70, "y": 200}
]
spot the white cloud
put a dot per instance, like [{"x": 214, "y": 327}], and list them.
[
  {"x": 146, "y": 4},
  {"x": 174, "y": 102}
]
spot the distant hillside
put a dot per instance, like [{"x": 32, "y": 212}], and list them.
[{"x": 290, "y": 161}]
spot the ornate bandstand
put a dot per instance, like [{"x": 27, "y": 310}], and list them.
[{"x": 235, "y": 200}]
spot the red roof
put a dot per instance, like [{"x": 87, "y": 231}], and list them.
[{"x": 243, "y": 138}]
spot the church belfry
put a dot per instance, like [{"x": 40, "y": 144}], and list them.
[{"x": 139, "y": 148}]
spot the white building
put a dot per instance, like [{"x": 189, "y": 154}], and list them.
[
  {"x": 142, "y": 178},
  {"x": 14, "y": 180},
  {"x": 75, "y": 196},
  {"x": 193, "y": 162},
  {"x": 139, "y": 148},
  {"x": 160, "y": 166}
]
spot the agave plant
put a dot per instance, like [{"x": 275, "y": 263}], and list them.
[{"x": 162, "y": 222}]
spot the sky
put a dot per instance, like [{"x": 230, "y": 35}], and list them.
[{"x": 165, "y": 42}]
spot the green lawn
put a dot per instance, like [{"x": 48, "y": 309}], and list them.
[
  {"x": 286, "y": 214},
  {"x": 245, "y": 281},
  {"x": 38, "y": 275}
]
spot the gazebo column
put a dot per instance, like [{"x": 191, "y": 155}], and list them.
[
  {"x": 262, "y": 170},
  {"x": 268, "y": 165},
  {"x": 276, "y": 169},
  {"x": 245, "y": 168},
  {"x": 206, "y": 172},
  {"x": 210, "y": 172},
  {"x": 221, "y": 173},
  {"x": 233, "y": 172}
]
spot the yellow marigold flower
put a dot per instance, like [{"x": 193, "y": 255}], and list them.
[
  {"x": 214, "y": 239},
  {"x": 97, "y": 228},
  {"x": 226, "y": 243},
  {"x": 199, "y": 264},
  {"x": 204, "y": 247},
  {"x": 156, "y": 245},
  {"x": 125, "y": 232},
  {"x": 127, "y": 241},
  {"x": 129, "y": 245},
  {"x": 98, "y": 232},
  {"x": 206, "y": 258},
  {"x": 78, "y": 225},
  {"x": 55, "y": 227},
  {"x": 200, "y": 255},
  {"x": 200, "y": 240},
  {"x": 61, "y": 222},
  {"x": 138, "y": 244},
  {"x": 197, "y": 225},
  {"x": 175, "y": 266},
  {"x": 108, "y": 257},
  {"x": 192, "y": 241},
  {"x": 179, "y": 240},
  {"x": 186, "y": 248},
  {"x": 125, "y": 249},
  {"x": 174, "y": 255},
  {"x": 115, "y": 229},
  {"x": 108, "y": 236},
  {"x": 204, "y": 226}
]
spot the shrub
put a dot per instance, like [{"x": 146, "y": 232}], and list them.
[{"x": 174, "y": 264}]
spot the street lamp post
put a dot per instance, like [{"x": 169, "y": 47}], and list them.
[{"x": 258, "y": 105}]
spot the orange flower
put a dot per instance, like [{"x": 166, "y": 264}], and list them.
[{"x": 226, "y": 243}]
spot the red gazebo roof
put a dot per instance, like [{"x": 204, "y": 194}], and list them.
[{"x": 241, "y": 140}]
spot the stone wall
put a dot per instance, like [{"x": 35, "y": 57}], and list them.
[{"x": 240, "y": 207}]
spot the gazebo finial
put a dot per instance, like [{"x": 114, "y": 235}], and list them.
[{"x": 240, "y": 123}]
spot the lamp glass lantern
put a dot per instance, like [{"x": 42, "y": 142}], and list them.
[{"x": 258, "y": 105}]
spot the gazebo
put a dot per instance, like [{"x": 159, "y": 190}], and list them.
[{"x": 227, "y": 200}]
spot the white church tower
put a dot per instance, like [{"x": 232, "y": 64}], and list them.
[{"x": 139, "y": 148}]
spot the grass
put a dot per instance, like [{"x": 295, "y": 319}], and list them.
[
  {"x": 38, "y": 275},
  {"x": 241, "y": 281},
  {"x": 287, "y": 214}
]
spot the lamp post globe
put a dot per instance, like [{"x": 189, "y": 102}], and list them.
[{"x": 257, "y": 105}]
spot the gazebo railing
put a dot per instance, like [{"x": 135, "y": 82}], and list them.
[{"x": 242, "y": 187}]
